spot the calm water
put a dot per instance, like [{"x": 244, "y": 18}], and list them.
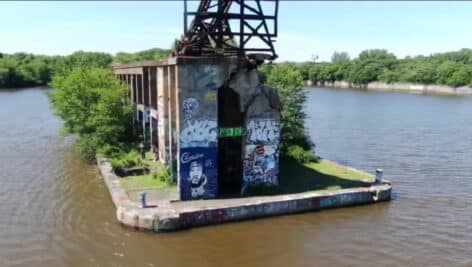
[{"x": 55, "y": 210}]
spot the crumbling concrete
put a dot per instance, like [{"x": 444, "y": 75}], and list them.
[{"x": 176, "y": 215}]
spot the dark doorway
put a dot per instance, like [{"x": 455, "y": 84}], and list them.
[{"x": 230, "y": 122}]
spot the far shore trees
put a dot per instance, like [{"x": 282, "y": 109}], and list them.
[
  {"x": 21, "y": 70},
  {"x": 451, "y": 68}
]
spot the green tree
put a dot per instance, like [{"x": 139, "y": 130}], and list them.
[
  {"x": 149, "y": 54},
  {"x": 91, "y": 103},
  {"x": 288, "y": 80},
  {"x": 340, "y": 58},
  {"x": 82, "y": 59},
  {"x": 461, "y": 76}
]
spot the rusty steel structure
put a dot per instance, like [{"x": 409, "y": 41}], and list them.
[{"x": 242, "y": 28}]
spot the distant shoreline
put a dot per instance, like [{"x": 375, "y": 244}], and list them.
[{"x": 405, "y": 87}]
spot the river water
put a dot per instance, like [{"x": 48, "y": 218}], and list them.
[{"x": 56, "y": 211}]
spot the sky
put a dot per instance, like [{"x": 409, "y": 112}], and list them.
[{"x": 306, "y": 28}]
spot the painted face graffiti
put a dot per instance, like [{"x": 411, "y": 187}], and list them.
[
  {"x": 197, "y": 179},
  {"x": 263, "y": 131},
  {"x": 190, "y": 107},
  {"x": 199, "y": 133}
]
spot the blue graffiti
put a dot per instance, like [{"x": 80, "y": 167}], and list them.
[{"x": 198, "y": 173}]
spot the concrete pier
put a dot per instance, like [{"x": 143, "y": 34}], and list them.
[{"x": 175, "y": 215}]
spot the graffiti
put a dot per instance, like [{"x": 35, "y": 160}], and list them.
[
  {"x": 187, "y": 157},
  {"x": 210, "y": 96},
  {"x": 154, "y": 113},
  {"x": 199, "y": 133},
  {"x": 263, "y": 131},
  {"x": 204, "y": 76},
  {"x": 260, "y": 165},
  {"x": 198, "y": 173},
  {"x": 197, "y": 179},
  {"x": 190, "y": 107},
  {"x": 147, "y": 115}
]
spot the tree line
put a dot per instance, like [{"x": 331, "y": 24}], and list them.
[
  {"x": 25, "y": 70},
  {"x": 450, "y": 68}
]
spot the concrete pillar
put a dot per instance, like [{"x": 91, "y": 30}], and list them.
[
  {"x": 153, "y": 98},
  {"x": 177, "y": 101},
  {"x": 172, "y": 120},
  {"x": 198, "y": 155},
  {"x": 162, "y": 111}
]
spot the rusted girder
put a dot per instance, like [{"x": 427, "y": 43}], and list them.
[{"x": 210, "y": 31}]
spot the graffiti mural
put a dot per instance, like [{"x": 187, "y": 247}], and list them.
[
  {"x": 199, "y": 133},
  {"x": 261, "y": 165},
  {"x": 198, "y": 173},
  {"x": 198, "y": 154},
  {"x": 147, "y": 115},
  {"x": 190, "y": 107},
  {"x": 263, "y": 131}
]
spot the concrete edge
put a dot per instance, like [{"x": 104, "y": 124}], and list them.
[{"x": 130, "y": 213}]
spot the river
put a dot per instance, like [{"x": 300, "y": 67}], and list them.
[{"x": 56, "y": 211}]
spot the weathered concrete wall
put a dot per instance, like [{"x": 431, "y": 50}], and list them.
[
  {"x": 410, "y": 87},
  {"x": 185, "y": 123},
  {"x": 199, "y": 82},
  {"x": 261, "y": 106}
]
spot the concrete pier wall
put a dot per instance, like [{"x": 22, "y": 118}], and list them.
[
  {"x": 181, "y": 215},
  {"x": 407, "y": 87}
]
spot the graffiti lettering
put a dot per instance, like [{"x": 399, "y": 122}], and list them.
[
  {"x": 263, "y": 131},
  {"x": 199, "y": 133},
  {"x": 186, "y": 157},
  {"x": 190, "y": 107}
]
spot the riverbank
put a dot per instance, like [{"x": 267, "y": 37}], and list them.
[
  {"x": 406, "y": 87},
  {"x": 170, "y": 214}
]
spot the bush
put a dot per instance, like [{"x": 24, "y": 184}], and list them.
[
  {"x": 127, "y": 160},
  {"x": 164, "y": 176},
  {"x": 90, "y": 101},
  {"x": 301, "y": 155},
  {"x": 289, "y": 82}
]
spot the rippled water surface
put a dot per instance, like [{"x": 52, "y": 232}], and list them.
[{"x": 55, "y": 210}]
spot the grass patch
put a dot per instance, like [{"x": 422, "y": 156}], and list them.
[
  {"x": 158, "y": 176},
  {"x": 323, "y": 175},
  {"x": 142, "y": 182},
  {"x": 332, "y": 168}
]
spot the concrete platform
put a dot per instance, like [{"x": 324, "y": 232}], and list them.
[{"x": 174, "y": 215}]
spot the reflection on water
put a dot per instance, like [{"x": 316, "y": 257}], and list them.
[{"x": 55, "y": 210}]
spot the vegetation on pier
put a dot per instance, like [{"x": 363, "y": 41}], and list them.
[
  {"x": 90, "y": 102},
  {"x": 289, "y": 81},
  {"x": 451, "y": 68}
]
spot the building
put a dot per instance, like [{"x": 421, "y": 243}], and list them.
[{"x": 213, "y": 120}]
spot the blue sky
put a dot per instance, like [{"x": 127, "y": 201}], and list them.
[{"x": 306, "y": 28}]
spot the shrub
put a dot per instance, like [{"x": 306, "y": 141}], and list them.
[
  {"x": 301, "y": 155},
  {"x": 289, "y": 82},
  {"x": 164, "y": 176},
  {"x": 90, "y": 101},
  {"x": 127, "y": 160}
]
